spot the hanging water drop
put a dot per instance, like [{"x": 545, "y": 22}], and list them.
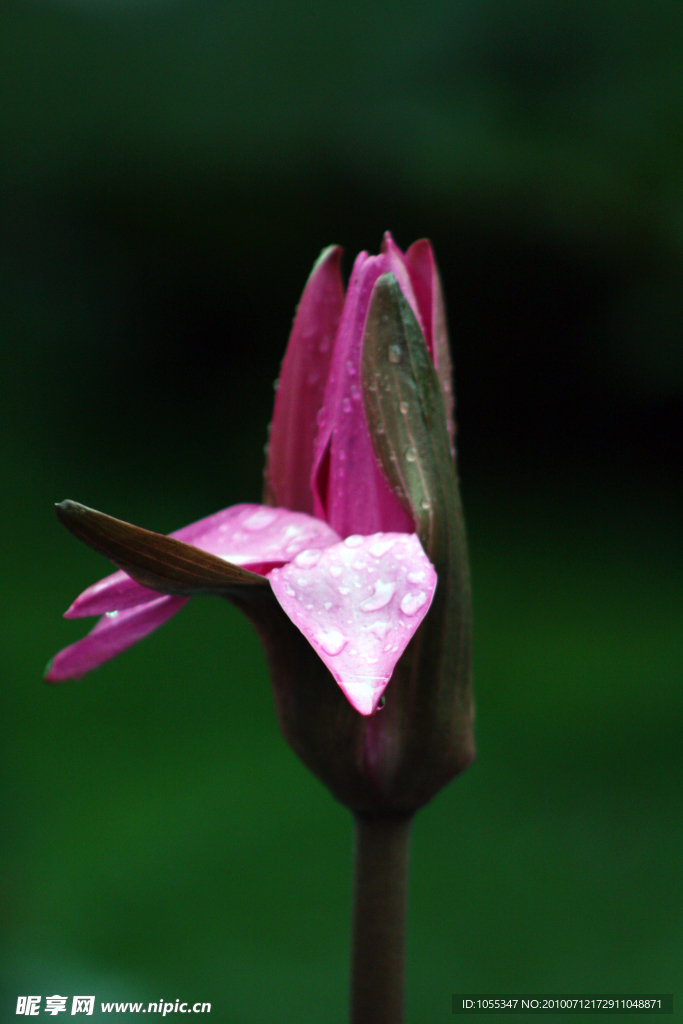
[{"x": 331, "y": 641}]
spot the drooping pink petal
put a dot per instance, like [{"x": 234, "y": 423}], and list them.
[
  {"x": 256, "y": 537},
  {"x": 112, "y": 634},
  {"x": 350, "y": 491},
  {"x": 113, "y": 593},
  {"x": 300, "y": 392},
  {"x": 358, "y": 603}
]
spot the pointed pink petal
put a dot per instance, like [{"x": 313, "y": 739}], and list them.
[
  {"x": 350, "y": 492},
  {"x": 420, "y": 260},
  {"x": 425, "y": 277},
  {"x": 256, "y": 537},
  {"x": 358, "y": 603},
  {"x": 111, "y": 635},
  {"x": 302, "y": 383},
  {"x": 113, "y": 593},
  {"x": 397, "y": 264}
]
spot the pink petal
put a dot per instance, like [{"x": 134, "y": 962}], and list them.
[
  {"x": 427, "y": 284},
  {"x": 113, "y": 593},
  {"x": 349, "y": 490},
  {"x": 112, "y": 634},
  {"x": 302, "y": 383},
  {"x": 358, "y": 603},
  {"x": 254, "y": 536},
  {"x": 258, "y": 537},
  {"x": 422, "y": 269},
  {"x": 397, "y": 264}
]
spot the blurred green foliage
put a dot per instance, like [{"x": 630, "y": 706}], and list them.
[{"x": 170, "y": 170}]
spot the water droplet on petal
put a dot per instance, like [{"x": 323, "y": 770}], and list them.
[
  {"x": 416, "y": 577},
  {"x": 261, "y": 519},
  {"x": 380, "y": 547},
  {"x": 336, "y": 570},
  {"x": 382, "y": 596},
  {"x": 307, "y": 559},
  {"x": 332, "y": 641},
  {"x": 350, "y": 368},
  {"x": 354, "y": 391},
  {"x": 425, "y": 504},
  {"x": 411, "y": 455},
  {"x": 111, "y": 615},
  {"x": 403, "y": 406},
  {"x": 343, "y": 591},
  {"x": 346, "y": 405},
  {"x": 354, "y": 541},
  {"x": 394, "y": 353},
  {"x": 412, "y": 603}
]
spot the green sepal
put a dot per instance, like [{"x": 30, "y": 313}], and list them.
[
  {"x": 404, "y": 407},
  {"x": 161, "y": 563},
  {"x": 406, "y": 417}
]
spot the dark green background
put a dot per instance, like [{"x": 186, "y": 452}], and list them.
[{"x": 169, "y": 172}]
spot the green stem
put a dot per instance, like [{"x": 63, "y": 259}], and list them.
[{"x": 379, "y": 919}]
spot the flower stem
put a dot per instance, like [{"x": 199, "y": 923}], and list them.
[{"x": 379, "y": 919}]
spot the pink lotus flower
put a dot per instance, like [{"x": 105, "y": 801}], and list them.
[{"x": 336, "y": 541}]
